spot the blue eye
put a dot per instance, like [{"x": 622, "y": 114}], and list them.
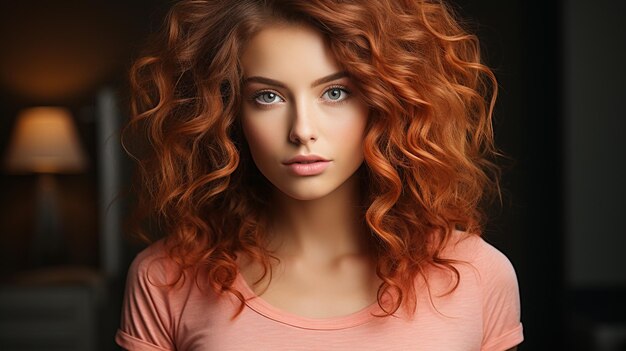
[
  {"x": 336, "y": 94},
  {"x": 267, "y": 98}
]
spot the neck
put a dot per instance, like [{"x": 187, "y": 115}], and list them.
[{"x": 323, "y": 229}]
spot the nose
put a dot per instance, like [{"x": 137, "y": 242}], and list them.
[{"x": 303, "y": 124}]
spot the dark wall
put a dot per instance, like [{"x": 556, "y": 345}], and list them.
[
  {"x": 62, "y": 54},
  {"x": 560, "y": 118},
  {"x": 523, "y": 45},
  {"x": 595, "y": 72},
  {"x": 595, "y": 169}
]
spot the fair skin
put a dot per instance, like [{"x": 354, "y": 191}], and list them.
[{"x": 298, "y": 101}]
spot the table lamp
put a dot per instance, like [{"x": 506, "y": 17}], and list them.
[{"x": 45, "y": 142}]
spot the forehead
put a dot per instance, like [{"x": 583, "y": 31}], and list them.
[{"x": 284, "y": 51}]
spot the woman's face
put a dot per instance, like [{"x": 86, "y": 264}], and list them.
[{"x": 301, "y": 115}]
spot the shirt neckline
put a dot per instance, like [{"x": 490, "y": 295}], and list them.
[{"x": 262, "y": 307}]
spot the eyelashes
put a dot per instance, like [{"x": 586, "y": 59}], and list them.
[
  {"x": 267, "y": 97},
  {"x": 334, "y": 94},
  {"x": 343, "y": 93}
]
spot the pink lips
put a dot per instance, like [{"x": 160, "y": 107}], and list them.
[{"x": 307, "y": 165}]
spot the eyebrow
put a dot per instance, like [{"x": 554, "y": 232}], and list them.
[{"x": 268, "y": 81}]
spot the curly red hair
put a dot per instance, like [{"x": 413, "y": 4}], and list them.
[{"x": 428, "y": 147}]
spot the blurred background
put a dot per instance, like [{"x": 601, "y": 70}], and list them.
[{"x": 559, "y": 117}]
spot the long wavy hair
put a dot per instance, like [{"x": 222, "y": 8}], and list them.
[{"x": 429, "y": 151}]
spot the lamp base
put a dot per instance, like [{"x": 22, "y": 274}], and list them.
[{"x": 47, "y": 246}]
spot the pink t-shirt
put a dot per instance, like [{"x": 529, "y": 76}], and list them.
[{"x": 483, "y": 313}]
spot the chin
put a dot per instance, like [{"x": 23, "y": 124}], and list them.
[
  {"x": 306, "y": 194},
  {"x": 313, "y": 189}
]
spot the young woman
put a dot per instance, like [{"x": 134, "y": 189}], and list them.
[{"x": 316, "y": 169}]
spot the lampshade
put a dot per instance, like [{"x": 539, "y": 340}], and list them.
[{"x": 45, "y": 141}]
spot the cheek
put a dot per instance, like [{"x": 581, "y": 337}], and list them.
[
  {"x": 351, "y": 132},
  {"x": 254, "y": 137},
  {"x": 261, "y": 137}
]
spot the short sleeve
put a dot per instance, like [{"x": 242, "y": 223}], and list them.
[
  {"x": 502, "y": 327},
  {"x": 146, "y": 320}
]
